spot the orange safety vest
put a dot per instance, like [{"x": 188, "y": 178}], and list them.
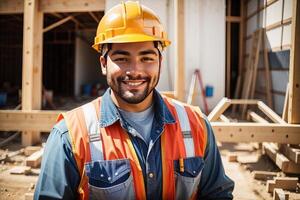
[{"x": 179, "y": 140}]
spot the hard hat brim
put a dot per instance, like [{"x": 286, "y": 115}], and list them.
[{"x": 129, "y": 38}]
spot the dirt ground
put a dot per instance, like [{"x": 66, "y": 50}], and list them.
[{"x": 14, "y": 187}]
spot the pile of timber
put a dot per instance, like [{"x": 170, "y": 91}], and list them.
[
  {"x": 32, "y": 160},
  {"x": 285, "y": 156}
]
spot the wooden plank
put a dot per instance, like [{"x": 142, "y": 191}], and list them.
[
  {"x": 270, "y": 113},
  {"x": 31, "y": 149},
  {"x": 264, "y": 175},
  {"x": 179, "y": 86},
  {"x": 192, "y": 90},
  {"x": 235, "y": 19},
  {"x": 267, "y": 71},
  {"x": 223, "y": 118},
  {"x": 256, "y": 132},
  {"x": 256, "y": 118},
  {"x": 219, "y": 109},
  {"x": 279, "y": 194},
  {"x": 280, "y": 160},
  {"x": 49, "y": 6},
  {"x": 291, "y": 153},
  {"x": 11, "y": 6},
  {"x": 56, "y": 24},
  {"x": 19, "y": 170},
  {"x": 35, "y": 159},
  {"x": 294, "y": 75},
  {"x": 35, "y": 120},
  {"x": 286, "y": 104}
]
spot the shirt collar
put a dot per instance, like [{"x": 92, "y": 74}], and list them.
[{"x": 110, "y": 114}]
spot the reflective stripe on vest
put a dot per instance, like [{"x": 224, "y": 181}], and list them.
[
  {"x": 185, "y": 129},
  {"x": 93, "y": 129}
]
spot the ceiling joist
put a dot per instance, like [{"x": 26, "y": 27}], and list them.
[{"x": 50, "y": 6}]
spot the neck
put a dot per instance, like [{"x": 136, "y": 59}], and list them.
[{"x": 139, "y": 107}]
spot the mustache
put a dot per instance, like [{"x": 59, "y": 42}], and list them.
[{"x": 133, "y": 78}]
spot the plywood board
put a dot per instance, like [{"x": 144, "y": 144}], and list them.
[{"x": 279, "y": 80}]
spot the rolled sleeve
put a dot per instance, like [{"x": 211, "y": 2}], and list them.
[
  {"x": 214, "y": 183},
  {"x": 59, "y": 176}
]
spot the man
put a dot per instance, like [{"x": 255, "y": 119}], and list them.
[{"x": 132, "y": 143}]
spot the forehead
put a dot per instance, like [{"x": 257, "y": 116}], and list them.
[{"x": 133, "y": 46}]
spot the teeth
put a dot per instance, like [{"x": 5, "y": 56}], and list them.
[{"x": 134, "y": 83}]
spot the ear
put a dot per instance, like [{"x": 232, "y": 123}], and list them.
[{"x": 103, "y": 63}]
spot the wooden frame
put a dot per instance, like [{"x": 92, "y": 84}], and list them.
[{"x": 279, "y": 132}]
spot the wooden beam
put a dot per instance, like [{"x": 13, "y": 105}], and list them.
[
  {"x": 32, "y": 63},
  {"x": 256, "y": 118},
  {"x": 11, "y": 6},
  {"x": 256, "y": 132},
  {"x": 56, "y": 24},
  {"x": 49, "y": 6},
  {"x": 228, "y": 51},
  {"x": 179, "y": 50},
  {"x": 219, "y": 109},
  {"x": 34, "y": 160},
  {"x": 94, "y": 17},
  {"x": 235, "y": 19},
  {"x": 223, "y": 118},
  {"x": 294, "y": 74},
  {"x": 34, "y": 120},
  {"x": 270, "y": 113},
  {"x": 279, "y": 194},
  {"x": 286, "y": 104}
]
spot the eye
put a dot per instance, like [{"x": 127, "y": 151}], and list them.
[
  {"x": 121, "y": 59},
  {"x": 147, "y": 59}
]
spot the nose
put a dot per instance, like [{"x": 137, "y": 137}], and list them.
[{"x": 134, "y": 68}]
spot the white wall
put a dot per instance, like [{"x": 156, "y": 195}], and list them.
[
  {"x": 204, "y": 42},
  {"x": 278, "y": 39},
  {"x": 87, "y": 67}
]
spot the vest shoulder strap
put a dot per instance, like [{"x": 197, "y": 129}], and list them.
[
  {"x": 93, "y": 129},
  {"x": 185, "y": 128}
]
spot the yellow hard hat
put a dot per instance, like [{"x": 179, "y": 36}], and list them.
[{"x": 130, "y": 22}]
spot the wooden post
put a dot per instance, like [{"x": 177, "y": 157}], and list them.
[
  {"x": 294, "y": 74},
  {"x": 32, "y": 63},
  {"x": 228, "y": 51},
  {"x": 179, "y": 86}
]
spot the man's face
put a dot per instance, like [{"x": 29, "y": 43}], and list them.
[{"x": 132, "y": 70}]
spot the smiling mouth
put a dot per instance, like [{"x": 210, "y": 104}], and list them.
[{"x": 134, "y": 83}]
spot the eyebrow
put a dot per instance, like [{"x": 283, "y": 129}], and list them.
[
  {"x": 126, "y": 53},
  {"x": 121, "y": 52},
  {"x": 150, "y": 51}
]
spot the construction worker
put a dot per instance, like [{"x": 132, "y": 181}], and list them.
[{"x": 132, "y": 143}]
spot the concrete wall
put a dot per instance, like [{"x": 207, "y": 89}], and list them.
[
  {"x": 204, "y": 43},
  {"x": 278, "y": 44}
]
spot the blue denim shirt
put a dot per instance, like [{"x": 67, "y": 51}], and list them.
[{"x": 59, "y": 177}]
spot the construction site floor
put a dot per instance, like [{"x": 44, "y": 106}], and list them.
[{"x": 14, "y": 187}]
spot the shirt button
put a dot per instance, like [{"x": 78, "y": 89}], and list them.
[{"x": 151, "y": 175}]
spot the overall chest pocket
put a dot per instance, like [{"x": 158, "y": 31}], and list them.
[
  {"x": 110, "y": 179},
  {"x": 187, "y": 182}
]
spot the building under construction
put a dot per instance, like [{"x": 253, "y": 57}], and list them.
[{"x": 238, "y": 60}]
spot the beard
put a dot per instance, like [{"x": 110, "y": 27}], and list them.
[{"x": 133, "y": 96}]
